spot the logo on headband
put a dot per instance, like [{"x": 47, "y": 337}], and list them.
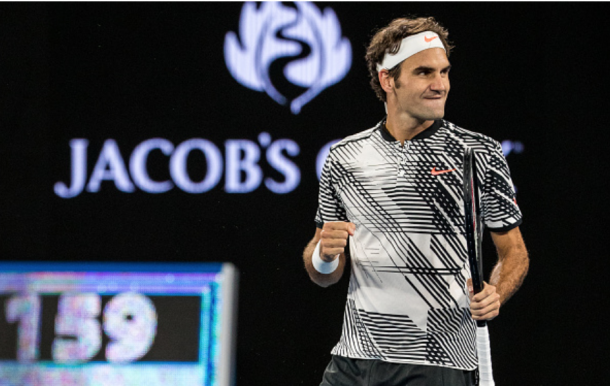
[
  {"x": 428, "y": 40},
  {"x": 290, "y": 53}
]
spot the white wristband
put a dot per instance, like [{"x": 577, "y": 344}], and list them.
[{"x": 321, "y": 265}]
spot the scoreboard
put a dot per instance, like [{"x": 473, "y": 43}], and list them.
[{"x": 117, "y": 324}]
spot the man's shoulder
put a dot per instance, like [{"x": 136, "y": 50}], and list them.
[
  {"x": 469, "y": 137},
  {"x": 358, "y": 138}
]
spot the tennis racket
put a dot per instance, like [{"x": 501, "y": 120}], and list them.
[{"x": 474, "y": 240}]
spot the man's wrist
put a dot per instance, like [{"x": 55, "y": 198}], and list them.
[{"x": 325, "y": 267}]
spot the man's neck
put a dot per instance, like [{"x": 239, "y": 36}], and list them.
[{"x": 405, "y": 128}]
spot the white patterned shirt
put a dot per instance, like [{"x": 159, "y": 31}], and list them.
[{"x": 407, "y": 300}]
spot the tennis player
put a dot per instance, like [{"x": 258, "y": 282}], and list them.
[{"x": 391, "y": 199}]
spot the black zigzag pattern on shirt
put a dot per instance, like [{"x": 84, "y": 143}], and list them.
[
  {"x": 355, "y": 340},
  {"x": 396, "y": 335},
  {"x": 499, "y": 207},
  {"x": 451, "y": 338}
]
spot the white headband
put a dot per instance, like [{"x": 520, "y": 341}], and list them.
[{"x": 409, "y": 46}]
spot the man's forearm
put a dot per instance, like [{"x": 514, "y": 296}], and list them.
[{"x": 509, "y": 272}]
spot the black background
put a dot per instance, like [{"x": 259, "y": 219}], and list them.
[{"x": 533, "y": 72}]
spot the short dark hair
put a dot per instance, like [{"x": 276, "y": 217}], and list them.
[{"x": 388, "y": 39}]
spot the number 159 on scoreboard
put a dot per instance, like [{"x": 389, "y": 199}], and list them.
[{"x": 128, "y": 321}]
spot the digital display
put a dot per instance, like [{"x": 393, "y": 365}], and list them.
[{"x": 116, "y": 324}]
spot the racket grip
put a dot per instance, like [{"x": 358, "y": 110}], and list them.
[{"x": 485, "y": 373}]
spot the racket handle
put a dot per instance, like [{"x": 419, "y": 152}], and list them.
[{"x": 486, "y": 377}]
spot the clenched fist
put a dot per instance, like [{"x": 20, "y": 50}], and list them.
[{"x": 334, "y": 239}]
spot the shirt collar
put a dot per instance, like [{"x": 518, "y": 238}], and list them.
[{"x": 424, "y": 134}]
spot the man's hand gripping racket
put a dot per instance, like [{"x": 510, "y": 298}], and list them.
[{"x": 474, "y": 239}]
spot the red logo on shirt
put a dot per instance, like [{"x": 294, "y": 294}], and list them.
[{"x": 437, "y": 172}]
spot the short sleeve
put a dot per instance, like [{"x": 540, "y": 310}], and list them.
[
  {"x": 330, "y": 207},
  {"x": 499, "y": 207}
]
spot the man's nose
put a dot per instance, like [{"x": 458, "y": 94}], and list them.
[{"x": 439, "y": 83}]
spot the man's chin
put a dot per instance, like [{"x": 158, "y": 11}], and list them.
[{"x": 432, "y": 115}]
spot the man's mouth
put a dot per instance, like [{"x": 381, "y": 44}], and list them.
[{"x": 434, "y": 96}]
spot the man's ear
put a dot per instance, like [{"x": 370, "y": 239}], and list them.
[{"x": 386, "y": 81}]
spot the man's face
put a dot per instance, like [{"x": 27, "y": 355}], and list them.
[{"x": 422, "y": 88}]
